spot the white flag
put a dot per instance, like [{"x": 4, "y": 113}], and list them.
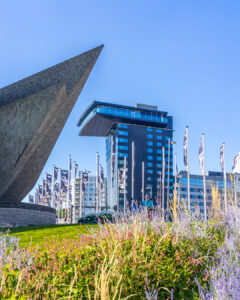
[
  {"x": 236, "y": 164},
  {"x": 222, "y": 157},
  {"x": 185, "y": 149},
  {"x": 201, "y": 154}
]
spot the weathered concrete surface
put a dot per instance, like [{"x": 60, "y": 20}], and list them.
[
  {"x": 26, "y": 214},
  {"x": 33, "y": 112}
]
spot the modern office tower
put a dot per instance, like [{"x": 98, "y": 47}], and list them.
[
  {"x": 139, "y": 137},
  {"x": 213, "y": 179},
  {"x": 88, "y": 198}
]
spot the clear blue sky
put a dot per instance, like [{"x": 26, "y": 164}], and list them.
[{"x": 180, "y": 55}]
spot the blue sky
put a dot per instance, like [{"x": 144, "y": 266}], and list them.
[{"x": 182, "y": 56}]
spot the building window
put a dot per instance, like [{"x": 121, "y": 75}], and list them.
[
  {"x": 122, "y": 140},
  {"x": 120, "y": 132},
  {"x": 159, "y": 144},
  {"x": 159, "y": 165},
  {"x": 122, "y": 126},
  {"x": 150, "y": 171},
  {"x": 122, "y": 147},
  {"x": 159, "y": 130},
  {"x": 149, "y": 150},
  {"x": 159, "y": 137},
  {"x": 159, "y": 158},
  {"x": 159, "y": 151},
  {"x": 150, "y": 157},
  {"x": 122, "y": 154},
  {"x": 149, "y": 164},
  {"x": 149, "y": 178},
  {"x": 149, "y": 129},
  {"x": 149, "y": 136},
  {"x": 150, "y": 143}
]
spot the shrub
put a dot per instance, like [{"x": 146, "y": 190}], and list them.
[{"x": 133, "y": 257}]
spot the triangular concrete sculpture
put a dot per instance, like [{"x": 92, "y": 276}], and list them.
[{"x": 33, "y": 112}]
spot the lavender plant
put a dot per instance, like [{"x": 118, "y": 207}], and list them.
[{"x": 225, "y": 273}]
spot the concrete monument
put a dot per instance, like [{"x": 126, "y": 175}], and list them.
[{"x": 33, "y": 112}]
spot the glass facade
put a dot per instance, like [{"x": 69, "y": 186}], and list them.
[
  {"x": 147, "y": 150},
  {"x": 136, "y": 136},
  {"x": 213, "y": 179}
]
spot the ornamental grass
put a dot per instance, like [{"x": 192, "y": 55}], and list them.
[{"x": 134, "y": 257}]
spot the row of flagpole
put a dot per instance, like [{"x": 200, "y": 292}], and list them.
[
  {"x": 62, "y": 190},
  {"x": 54, "y": 194},
  {"x": 201, "y": 155}
]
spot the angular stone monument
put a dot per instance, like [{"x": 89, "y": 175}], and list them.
[{"x": 33, "y": 112}]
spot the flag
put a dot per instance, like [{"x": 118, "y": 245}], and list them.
[
  {"x": 84, "y": 181},
  {"x": 75, "y": 169},
  {"x": 122, "y": 175},
  {"x": 55, "y": 174},
  {"x": 30, "y": 199},
  {"x": 48, "y": 186},
  {"x": 113, "y": 156},
  {"x": 101, "y": 178},
  {"x": 57, "y": 193},
  {"x": 70, "y": 168},
  {"x": 64, "y": 182},
  {"x": 236, "y": 164},
  {"x": 70, "y": 193},
  {"x": 222, "y": 157},
  {"x": 201, "y": 154},
  {"x": 185, "y": 149},
  {"x": 36, "y": 196},
  {"x": 44, "y": 189},
  {"x": 40, "y": 191}
]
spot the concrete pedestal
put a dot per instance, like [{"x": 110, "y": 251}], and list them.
[{"x": 17, "y": 214}]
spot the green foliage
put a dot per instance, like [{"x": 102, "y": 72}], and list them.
[{"x": 117, "y": 258}]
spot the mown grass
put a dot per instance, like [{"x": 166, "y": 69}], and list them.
[{"x": 37, "y": 235}]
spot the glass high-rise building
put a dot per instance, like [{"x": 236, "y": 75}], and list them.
[
  {"x": 214, "y": 180},
  {"x": 141, "y": 137}
]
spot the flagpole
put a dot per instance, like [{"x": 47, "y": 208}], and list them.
[
  {"x": 225, "y": 180},
  {"x": 68, "y": 189},
  {"x": 97, "y": 183},
  {"x": 116, "y": 175},
  {"x": 125, "y": 176},
  {"x": 168, "y": 178},
  {"x": 188, "y": 176},
  {"x": 80, "y": 199},
  {"x": 59, "y": 200},
  {"x": 143, "y": 172},
  {"x": 163, "y": 178},
  {"x": 204, "y": 180},
  {"x": 133, "y": 165},
  {"x": 53, "y": 189},
  {"x": 175, "y": 177},
  {"x": 160, "y": 189},
  {"x": 111, "y": 175},
  {"x": 235, "y": 191}
]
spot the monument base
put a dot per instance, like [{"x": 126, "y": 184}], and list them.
[{"x": 19, "y": 214}]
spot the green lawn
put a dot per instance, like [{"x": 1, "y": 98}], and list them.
[{"x": 37, "y": 234}]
